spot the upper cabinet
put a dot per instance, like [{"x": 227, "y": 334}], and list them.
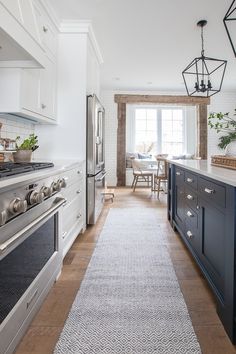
[
  {"x": 31, "y": 92},
  {"x": 94, "y": 60},
  {"x": 46, "y": 31}
]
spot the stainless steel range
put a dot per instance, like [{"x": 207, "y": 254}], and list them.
[{"x": 30, "y": 252}]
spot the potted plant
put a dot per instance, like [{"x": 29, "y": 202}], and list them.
[
  {"x": 223, "y": 123},
  {"x": 24, "y": 150}
]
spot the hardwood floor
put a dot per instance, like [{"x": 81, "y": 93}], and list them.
[{"x": 45, "y": 329}]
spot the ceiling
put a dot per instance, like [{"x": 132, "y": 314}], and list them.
[{"x": 147, "y": 43}]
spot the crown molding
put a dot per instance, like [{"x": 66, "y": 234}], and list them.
[{"x": 82, "y": 27}]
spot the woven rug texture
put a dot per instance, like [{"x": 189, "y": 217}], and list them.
[{"x": 130, "y": 301}]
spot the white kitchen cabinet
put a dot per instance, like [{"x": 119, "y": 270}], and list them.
[
  {"x": 93, "y": 71},
  {"x": 46, "y": 30},
  {"x": 73, "y": 213},
  {"x": 29, "y": 93}
]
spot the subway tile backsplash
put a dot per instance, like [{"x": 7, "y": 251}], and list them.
[{"x": 13, "y": 126}]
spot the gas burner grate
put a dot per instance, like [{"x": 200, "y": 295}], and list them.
[{"x": 11, "y": 169}]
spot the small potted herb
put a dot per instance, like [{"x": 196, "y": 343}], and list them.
[{"x": 24, "y": 150}]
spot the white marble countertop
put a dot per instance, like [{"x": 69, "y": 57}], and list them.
[
  {"x": 204, "y": 168},
  {"x": 59, "y": 167}
]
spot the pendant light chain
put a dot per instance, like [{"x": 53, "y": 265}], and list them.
[{"x": 202, "y": 42}]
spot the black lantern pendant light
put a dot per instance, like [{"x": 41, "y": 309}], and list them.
[
  {"x": 230, "y": 25},
  {"x": 204, "y": 76}
]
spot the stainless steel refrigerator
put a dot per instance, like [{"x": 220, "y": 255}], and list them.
[{"x": 95, "y": 158}]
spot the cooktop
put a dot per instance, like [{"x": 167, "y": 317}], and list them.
[{"x": 11, "y": 168}]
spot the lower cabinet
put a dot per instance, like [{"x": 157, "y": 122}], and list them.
[
  {"x": 203, "y": 212},
  {"x": 73, "y": 214}
]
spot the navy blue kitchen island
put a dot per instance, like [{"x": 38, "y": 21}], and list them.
[{"x": 202, "y": 208}]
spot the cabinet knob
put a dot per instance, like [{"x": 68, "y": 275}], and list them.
[
  {"x": 189, "y": 180},
  {"x": 189, "y": 234},
  {"x": 78, "y": 192},
  {"x": 189, "y": 197},
  {"x": 189, "y": 214},
  {"x": 79, "y": 216},
  {"x": 45, "y": 29},
  {"x": 178, "y": 173},
  {"x": 209, "y": 191},
  {"x": 43, "y": 106}
]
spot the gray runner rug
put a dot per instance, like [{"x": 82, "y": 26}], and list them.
[{"x": 129, "y": 301}]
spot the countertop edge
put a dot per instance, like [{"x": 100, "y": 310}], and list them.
[{"x": 205, "y": 168}]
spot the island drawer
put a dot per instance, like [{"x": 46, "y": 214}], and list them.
[
  {"x": 191, "y": 198},
  {"x": 212, "y": 192},
  {"x": 191, "y": 180}
]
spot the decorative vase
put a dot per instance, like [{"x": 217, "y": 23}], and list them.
[
  {"x": 22, "y": 156},
  {"x": 230, "y": 149}
]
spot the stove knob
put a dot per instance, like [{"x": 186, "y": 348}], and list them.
[
  {"x": 3, "y": 217},
  {"x": 18, "y": 206},
  {"x": 35, "y": 197},
  {"x": 47, "y": 191},
  {"x": 56, "y": 186},
  {"x": 63, "y": 183}
]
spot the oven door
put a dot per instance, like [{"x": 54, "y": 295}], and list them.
[{"x": 30, "y": 262}]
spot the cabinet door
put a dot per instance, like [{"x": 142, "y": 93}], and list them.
[
  {"x": 30, "y": 82},
  {"x": 47, "y": 35},
  {"x": 179, "y": 209},
  {"x": 47, "y": 92},
  {"x": 212, "y": 253},
  {"x": 14, "y": 7}
]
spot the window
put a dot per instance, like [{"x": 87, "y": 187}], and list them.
[
  {"x": 145, "y": 130},
  {"x": 161, "y": 129},
  {"x": 172, "y": 123}
]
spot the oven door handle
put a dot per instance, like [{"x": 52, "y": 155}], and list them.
[{"x": 56, "y": 205}]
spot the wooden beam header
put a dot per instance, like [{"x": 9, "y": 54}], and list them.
[{"x": 161, "y": 99}]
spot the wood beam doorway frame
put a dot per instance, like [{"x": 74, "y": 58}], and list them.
[{"x": 122, "y": 100}]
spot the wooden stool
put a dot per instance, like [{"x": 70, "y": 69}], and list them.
[{"x": 108, "y": 194}]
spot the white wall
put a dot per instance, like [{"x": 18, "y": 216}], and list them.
[
  {"x": 225, "y": 101},
  {"x": 67, "y": 140}
]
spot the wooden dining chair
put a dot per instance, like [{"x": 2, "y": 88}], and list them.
[
  {"x": 161, "y": 175},
  {"x": 140, "y": 174}
]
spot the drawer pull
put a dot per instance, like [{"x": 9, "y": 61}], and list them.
[
  {"x": 79, "y": 216},
  {"x": 190, "y": 197},
  {"x": 79, "y": 172},
  {"x": 189, "y": 214},
  {"x": 178, "y": 173},
  {"x": 45, "y": 29},
  {"x": 209, "y": 191},
  {"x": 43, "y": 106},
  {"x": 189, "y": 234},
  {"x": 189, "y": 180},
  {"x": 78, "y": 192}
]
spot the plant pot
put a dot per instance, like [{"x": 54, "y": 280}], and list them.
[
  {"x": 22, "y": 156},
  {"x": 230, "y": 149}
]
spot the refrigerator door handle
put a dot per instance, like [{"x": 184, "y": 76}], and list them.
[{"x": 100, "y": 179}]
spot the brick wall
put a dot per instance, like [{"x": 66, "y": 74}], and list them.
[{"x": 225, "y": 102}]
